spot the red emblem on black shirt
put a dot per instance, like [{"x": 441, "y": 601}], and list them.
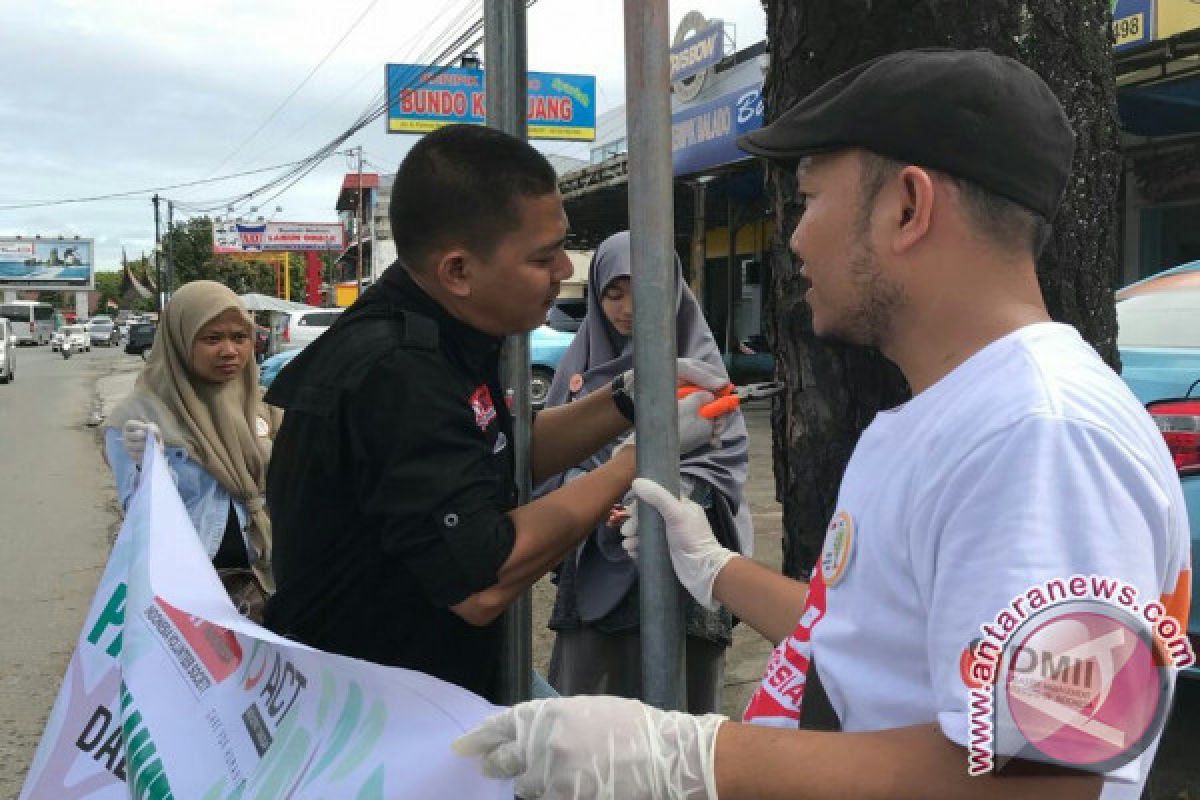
[{"x": 481, "y": 404}]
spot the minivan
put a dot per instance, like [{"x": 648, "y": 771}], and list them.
[{"x": 301, "y": 327}]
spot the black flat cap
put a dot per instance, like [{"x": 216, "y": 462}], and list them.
[{"x": 969, "y": 113}]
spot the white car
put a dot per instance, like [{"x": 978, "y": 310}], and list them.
[
  {"x": 301, "y": 327},
  {"x": 8, "y": 351},
  {"x": 77, "y": 337}
]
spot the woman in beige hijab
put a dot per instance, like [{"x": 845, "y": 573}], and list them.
[{"x": 199, "y": 395}]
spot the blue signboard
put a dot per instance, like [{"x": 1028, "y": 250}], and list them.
[
  {"x": 423, "y": 98},
  {"x": 1133, "y": 23},
  {"x": 705, "y": 136},
  {"x": 698, "y": 52}
]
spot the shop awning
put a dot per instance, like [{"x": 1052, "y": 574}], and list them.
[
  {"x": 1169, "y": 108},
  {"x": 264, "y": 302}
]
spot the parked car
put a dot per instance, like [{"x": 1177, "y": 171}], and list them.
[
  {"x": 56, "y": 340},
  {"x": 1158, "y": 336},
  {"x": 102, "y": 331},
  {"x": 546, "y": 346},
  {"x": 269, "y": 369},
  {"x": 8, "y": 351},
  {"x": 141, "y": 338},
  {"x": 566, "y": 314},
  {"x": 751, "y": 361},
  {"x": 301, "y": 327}
]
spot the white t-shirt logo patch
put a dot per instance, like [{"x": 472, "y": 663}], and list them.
[{"x": 838, "y": 549}]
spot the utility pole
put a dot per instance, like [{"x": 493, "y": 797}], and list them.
[
  {"x": 170, "y": 287},
  {"x": 505, "y": 82},
  {"x": 652, "y": 221},
  {"x": 358, "y": 226},
  {"x": 158, "y": 278}
]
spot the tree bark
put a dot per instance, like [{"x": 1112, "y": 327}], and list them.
[{"x": 835, "y": 390}]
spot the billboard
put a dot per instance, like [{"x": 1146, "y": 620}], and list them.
[
  {"x": 423, "y": 98},
  {"x": 698, "y": 52},
  {"x": 46, "y": 263},
  {"x": 705, "y": 136},
  {"x": 1177, "y": 16},
  {"x": 1133, "y": 23},
  {"x": 231, "y": 237}
]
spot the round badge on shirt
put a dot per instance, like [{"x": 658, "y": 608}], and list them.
[
  {"x": 261, "y": 427},
  {"x": 576, "y": 383},
  {"x": 838, "y": 548}
]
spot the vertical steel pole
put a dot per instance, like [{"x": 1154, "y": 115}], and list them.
[
  {"x": 648, "y": 114},
  {"x": 505, "y": 82}
]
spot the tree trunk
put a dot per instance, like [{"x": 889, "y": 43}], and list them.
[{"x": 834, "y": 390}]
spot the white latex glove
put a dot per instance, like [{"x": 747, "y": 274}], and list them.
[
  {"x": 691, "y": 371},
  {"x": 588, "y": 747},
  {"x": 133, "y": 438},
  {"x": 694, "y": 430},
  {"x": 696, "y": 554}
]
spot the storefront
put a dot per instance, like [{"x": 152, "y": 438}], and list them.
[
  {"x": 1158, "y": 97},
  {"x": 716, "y": 97}
]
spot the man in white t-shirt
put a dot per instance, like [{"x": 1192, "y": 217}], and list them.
[{"x": 1020, "y": 463}]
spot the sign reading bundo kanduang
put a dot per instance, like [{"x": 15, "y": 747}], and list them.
[{"x": 422, "y": 98}]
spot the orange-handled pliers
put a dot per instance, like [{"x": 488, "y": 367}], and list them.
[{"x": 729, "y": 397}]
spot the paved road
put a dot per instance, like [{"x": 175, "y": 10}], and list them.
[{"x": 56, "y": 517}]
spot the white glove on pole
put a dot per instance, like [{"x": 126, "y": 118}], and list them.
[
  {"x": 696, "y": 554},
  {"x": 691, "y": 371},
  {"x": 694, "y": 430},
  {"x": 588, "y": 747},
  {"x": 133, "y": 438}
]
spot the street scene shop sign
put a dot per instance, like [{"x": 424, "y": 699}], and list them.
[
  {"x": 232, "y": 238},
  {"x": 422, "y": 98},
  {"x": 705, "y": 136}
]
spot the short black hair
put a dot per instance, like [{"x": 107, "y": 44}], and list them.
[
  {"x": 1003, "y": 222},
  {"x": 457, "y": 185}
]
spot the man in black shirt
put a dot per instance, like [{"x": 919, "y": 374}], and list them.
[{"x": 391, "y": 487}]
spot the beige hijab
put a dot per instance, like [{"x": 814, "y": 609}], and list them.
[{"x": 226, "y": 428}]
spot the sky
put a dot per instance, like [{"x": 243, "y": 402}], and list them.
[{"x": 104, "y": 96}]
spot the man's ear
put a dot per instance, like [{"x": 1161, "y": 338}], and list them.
[
  {"x": 453, "y": 274},
  {"x": 915, "y": 214}
]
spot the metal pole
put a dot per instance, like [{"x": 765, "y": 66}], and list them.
[
  {"x": 358, "y": 221},
  {"x": 648, "y": 115},
  {"x": 505, "y": 85},
  {"x": 158, "y": 279}
]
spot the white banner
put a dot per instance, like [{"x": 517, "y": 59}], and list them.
[
  {"x": 171, "y": 694},
  {"x": 254, "y": 237}
]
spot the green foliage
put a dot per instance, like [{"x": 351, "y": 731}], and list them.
[{"x": 190, "y": 246}]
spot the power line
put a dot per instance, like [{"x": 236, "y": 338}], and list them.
[
  {"x": 377, "y": 108},
  {"x": 299, "y": 86},
  {"x": 150, "y": 190}
]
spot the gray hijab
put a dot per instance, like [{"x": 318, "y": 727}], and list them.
[{"x": 599, "y": 353}]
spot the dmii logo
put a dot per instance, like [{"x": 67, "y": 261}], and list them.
[{"x": 1082, "y": 681}]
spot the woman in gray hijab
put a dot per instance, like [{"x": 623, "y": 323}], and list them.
[{"x": 597, "y": 648}]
